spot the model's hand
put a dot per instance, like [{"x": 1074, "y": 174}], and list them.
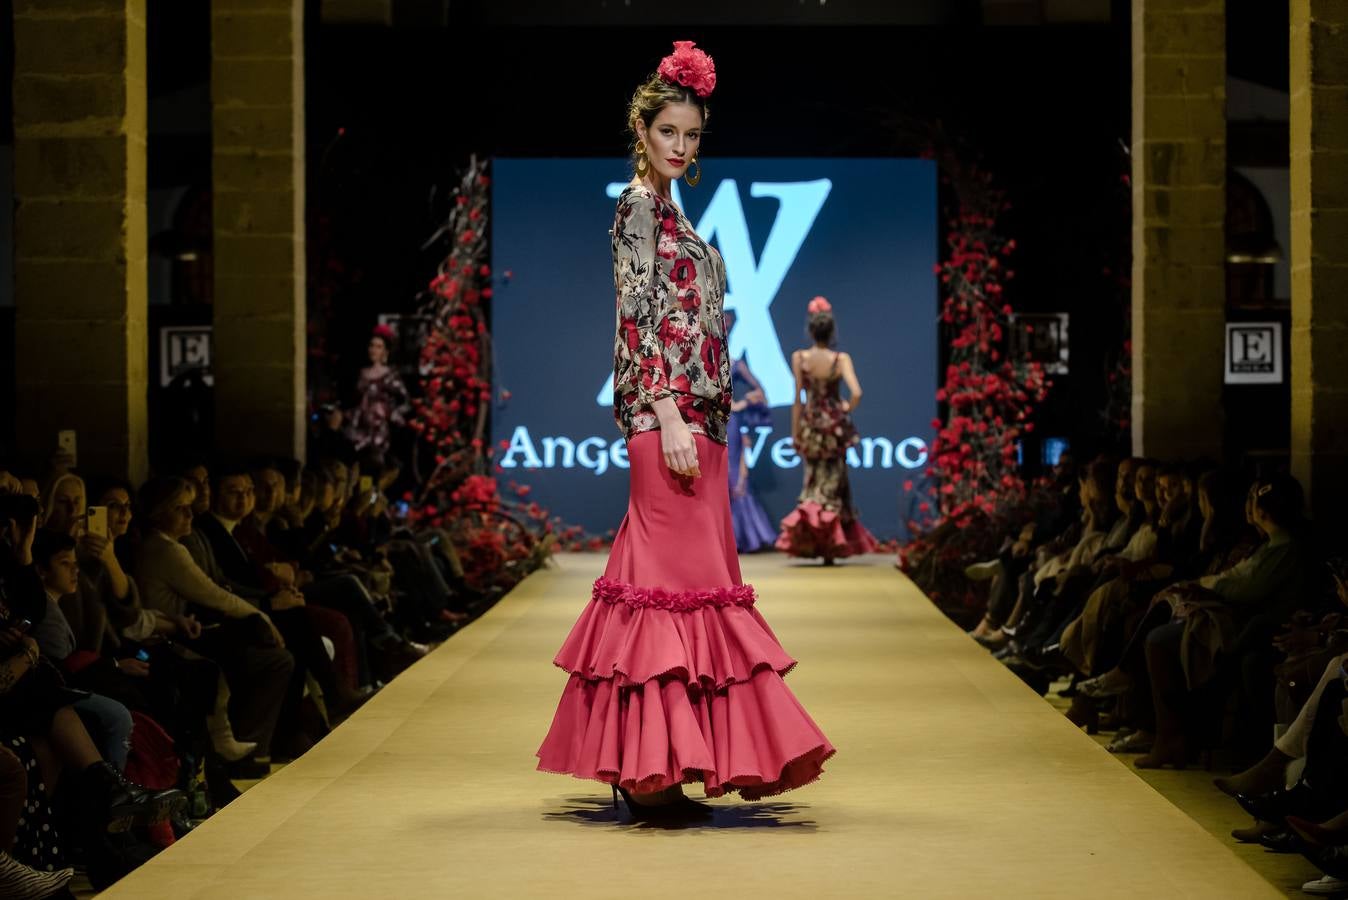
[{"x": 676, "y": 442}]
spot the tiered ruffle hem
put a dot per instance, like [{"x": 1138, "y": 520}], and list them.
[
  {"x": 810, "y": 530},
  {"x": 671, "y": 687}
]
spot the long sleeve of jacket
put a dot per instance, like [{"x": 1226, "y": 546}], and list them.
[
  {"x": 175, "y": 567},
  {"x": 643, "y": 300}
]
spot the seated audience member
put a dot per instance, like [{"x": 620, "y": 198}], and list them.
[
  {"x": 237, "y": 636},
  {"x": 199, "y": 474},
  {"x": 17, "y": 880},
  {"x": 217, "y": 550},
  {"x": 1109, "y": 575},
  {"x": 1054, "y": 509},
  {"x": 336, "y": 589},
  {"x": 163, "y": 680},
  {"x": 329, "y": 440},
  {"x": 107, "y": 721},
  {"x": 1311, "y": 814},
  {"x": 86, "y": 609},
  {"x": 36, "y": 706},
  {"x": 269, "y": 567},
  {"x": 1269, "y": 773},
  {"x": 417, "y": 576},
  {"x": 1039, "y": 583},
  {"x": 1193, "y": 626},
  {"x": 30, "y": 487},
  {"x": 288, "y": 514},
  {"x": 1164, "y": 544}
]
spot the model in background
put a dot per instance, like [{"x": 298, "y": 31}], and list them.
[
  {"x": 748, "y": 411},
  {"x": 824, "y": 522},
  {"x": 381, "y": 398}
]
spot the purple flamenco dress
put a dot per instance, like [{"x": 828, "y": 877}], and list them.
[{"x": 753, "y": 528}]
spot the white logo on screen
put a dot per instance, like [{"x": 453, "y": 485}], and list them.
[{"x": 752, "y": 284}]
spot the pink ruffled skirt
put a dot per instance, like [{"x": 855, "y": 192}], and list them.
[
  {"x": 674, "y": 675},
  {"x": 810, "y": 530}
]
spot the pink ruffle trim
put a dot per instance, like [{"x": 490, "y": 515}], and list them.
[
  {"x": 711, "y": 645},
  {"x": 809, "y": 530},
  {"x": 612, "y": 591}
]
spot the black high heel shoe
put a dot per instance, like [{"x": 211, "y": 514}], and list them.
[{"x": 682, "y": 809}]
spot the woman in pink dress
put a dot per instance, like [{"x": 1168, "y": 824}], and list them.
[{"x": 674, "y": 676}]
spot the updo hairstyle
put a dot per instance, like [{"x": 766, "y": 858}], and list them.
[
  {"x": 822, "y": 328},
  {"x": 1281, "y": 499}
]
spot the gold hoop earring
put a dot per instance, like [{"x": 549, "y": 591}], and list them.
[
  {"x": 643, "y": 164},
  {"x": 689, "y": 176}
]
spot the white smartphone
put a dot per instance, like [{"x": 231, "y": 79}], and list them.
[
  {"x": 65, "y": 444},
  {"x": 96, "y": 521}
]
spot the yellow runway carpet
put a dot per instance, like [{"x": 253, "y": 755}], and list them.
[{"x": 951, "y": 780}]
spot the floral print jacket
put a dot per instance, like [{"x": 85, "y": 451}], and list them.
[{"x": 671, "y": 335}]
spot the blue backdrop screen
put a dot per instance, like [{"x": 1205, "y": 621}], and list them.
[{"x": 862, "y": 232}]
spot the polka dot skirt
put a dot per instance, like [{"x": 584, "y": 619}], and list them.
[{"x": 38, "y": 844}]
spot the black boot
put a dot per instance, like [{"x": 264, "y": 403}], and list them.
[{"x": 117, "y": 804}]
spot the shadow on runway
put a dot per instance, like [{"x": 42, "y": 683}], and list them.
[{"x": 594, "y": 811}]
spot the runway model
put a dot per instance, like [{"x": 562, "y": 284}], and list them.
[
  {"x": 824, "y": 523},
  {"x": 748, "y": 410},
  {"x": 674, "y": 676},
  {"x": 382, "y": 398}
]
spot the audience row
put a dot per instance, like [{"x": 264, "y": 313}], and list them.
[
  {"x": 1192, "y": 611},
  {"x": 157, "y": 643}
]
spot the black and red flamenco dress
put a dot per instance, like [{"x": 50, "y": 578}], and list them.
[
  {"x": 824, "y": 522},
  {"x": 674, "y": 675}
]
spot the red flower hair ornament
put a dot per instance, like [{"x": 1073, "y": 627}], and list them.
[
  {"x": 383, "y": 331},
  {"x": 690, "y": 67},
  {"x": 819, "y": 305}
]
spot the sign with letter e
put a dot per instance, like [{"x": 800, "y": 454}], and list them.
[
  {"x": 1254, "y": 353},
  {"x": 183, "y": 349}
]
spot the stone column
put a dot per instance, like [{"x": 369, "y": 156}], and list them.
[
  {"x": 80, "y": 230},
  {"x": 1179, "y": 203},
  {"x": 1319, "y": 175},
  {"x": 257, "y": 100}
]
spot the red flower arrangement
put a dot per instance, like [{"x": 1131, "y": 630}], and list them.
[
  {"x": 499, "y": 539},
  {"x": 496, "y": 542},
  {"x": 972, "y": 489},
  {"x": 689, "y": 67}
]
